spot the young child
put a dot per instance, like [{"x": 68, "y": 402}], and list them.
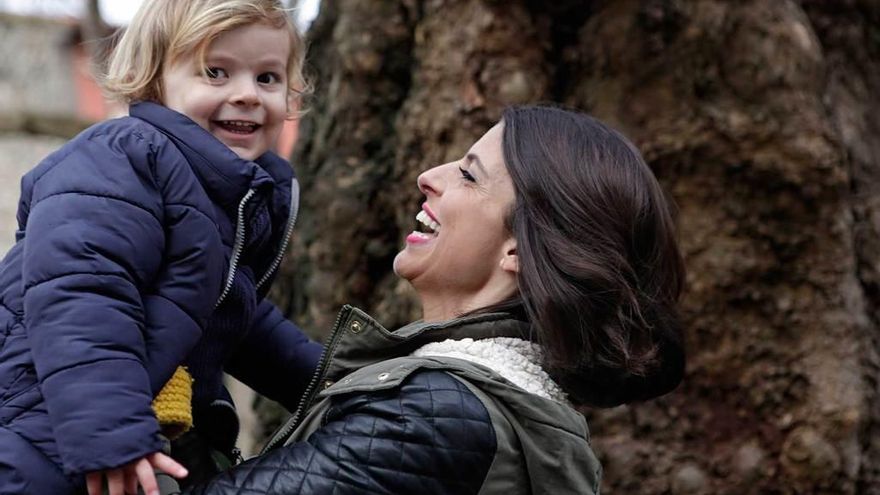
[{"x": 149, "y": 242}]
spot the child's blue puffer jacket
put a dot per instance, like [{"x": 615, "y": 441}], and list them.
[{"x": 128, "y": 236}]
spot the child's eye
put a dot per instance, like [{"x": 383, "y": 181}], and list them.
[
  {"x": 268, "y": 78},
  {"x": 466, "y": 175},
  {"x": 215, "y": 72}
]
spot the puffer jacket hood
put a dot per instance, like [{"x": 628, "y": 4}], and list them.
[{"x": 225, "y": 176}]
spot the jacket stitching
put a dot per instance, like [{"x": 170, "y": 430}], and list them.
[
  {"x": 181, "y": 308},
  {"x": 195, "y": 208},
  {"x": 19, "y": 315},
  {"x": 91, "y": 139},
  {"x": 86, "y": 363},
  {"x": 62, "y": 275},
  {"x": 6, "y": 398},
  {"x": 96, "y": 195}
]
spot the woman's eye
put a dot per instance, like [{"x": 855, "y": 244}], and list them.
[
  {"x": 215, "y": 72},
  {"x": 268, "y": 78},
  {"x": 466, "y": 175}
]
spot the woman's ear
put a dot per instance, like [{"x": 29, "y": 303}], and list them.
[{"x": 510, "y": 260}]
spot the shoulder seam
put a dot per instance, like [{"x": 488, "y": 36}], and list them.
[
  {"x": 69, "y": 274},
  {"x": 96, "y": 195}
]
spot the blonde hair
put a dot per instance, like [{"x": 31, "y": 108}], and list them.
[{"x": 164, "y": 31}]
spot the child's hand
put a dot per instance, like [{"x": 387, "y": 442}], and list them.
[{"x": 129, "y": 475}]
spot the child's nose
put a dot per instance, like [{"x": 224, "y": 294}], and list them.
[{"x": 245, "y": 92}]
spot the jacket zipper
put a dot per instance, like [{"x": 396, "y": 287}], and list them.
[
  {"x": 291, "y": 220},
  {"x": 237, "y": 247},
  {"x": 284, "y": 433}
]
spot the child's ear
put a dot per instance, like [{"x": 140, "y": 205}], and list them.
[{"x": 293, "y": 105}]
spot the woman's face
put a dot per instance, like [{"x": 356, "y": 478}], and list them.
[{"x": 454, "y": 259}]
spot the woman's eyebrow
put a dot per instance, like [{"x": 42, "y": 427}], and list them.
[{"x": 472, "y": 158}]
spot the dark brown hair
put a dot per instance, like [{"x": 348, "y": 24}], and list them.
[{"x": 600, "y": 271}]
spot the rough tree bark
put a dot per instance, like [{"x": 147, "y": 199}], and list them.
[{"x": 761, "y": 120}]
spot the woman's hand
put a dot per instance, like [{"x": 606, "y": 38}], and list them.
[{"x": 125, "y": 479}]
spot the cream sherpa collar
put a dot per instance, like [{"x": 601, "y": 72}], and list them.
[{"x": 517, "y": 360}]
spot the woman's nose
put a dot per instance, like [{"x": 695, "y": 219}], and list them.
[{"x": 431, "y": 181}]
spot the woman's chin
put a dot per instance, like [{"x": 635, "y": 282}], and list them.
[
  {"x": 408, "y": 261},
  {"x": 399, "y": 265}
]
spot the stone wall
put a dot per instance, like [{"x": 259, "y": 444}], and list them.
[{"x": 36, "y": 78}]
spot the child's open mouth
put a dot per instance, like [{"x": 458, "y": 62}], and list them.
[{"x": 237, "y": 126}]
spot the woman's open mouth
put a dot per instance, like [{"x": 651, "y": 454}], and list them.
[
  {"x": 424, "y": 219},
  {"x": 426, "y": 229}
]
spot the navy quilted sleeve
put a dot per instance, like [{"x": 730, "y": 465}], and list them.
[
  {"x": 275, "y": 348},
  {"x": 431, "y": 436},
  {"x": 94, "y": 238}
]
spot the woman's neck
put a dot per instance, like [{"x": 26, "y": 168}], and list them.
[{"x": 437, "y": 306}]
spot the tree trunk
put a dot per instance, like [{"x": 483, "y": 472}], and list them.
[{"x": 761, "y": 120}]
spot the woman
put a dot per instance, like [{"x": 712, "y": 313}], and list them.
[{"x": 548, "y": 272}]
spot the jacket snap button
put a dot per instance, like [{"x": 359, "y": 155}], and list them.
[
  {"x": 356, "y": 327},
  {"x": 382, "y": 377},
  {"x": 328, "y": 383}
]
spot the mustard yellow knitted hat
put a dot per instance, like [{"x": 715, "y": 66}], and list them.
[{"x": 173, "y": 405}]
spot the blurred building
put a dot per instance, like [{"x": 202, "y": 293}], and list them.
[{"x": 46, "y": 86}]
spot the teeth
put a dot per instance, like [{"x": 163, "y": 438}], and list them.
[
  {"x": 425, "y": 220},
  {"x": 238, "y": 123}
]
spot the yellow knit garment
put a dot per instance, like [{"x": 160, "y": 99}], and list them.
[{"x": 173, "y": 405}]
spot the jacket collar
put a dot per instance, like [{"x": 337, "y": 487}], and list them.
[
  {"x": 358, "y": 340},
  {"x": 518, "y": 361},
  {"x": 226, "y": 176}
]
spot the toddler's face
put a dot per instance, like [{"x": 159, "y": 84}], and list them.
[{"x": 243, "y": 96}]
